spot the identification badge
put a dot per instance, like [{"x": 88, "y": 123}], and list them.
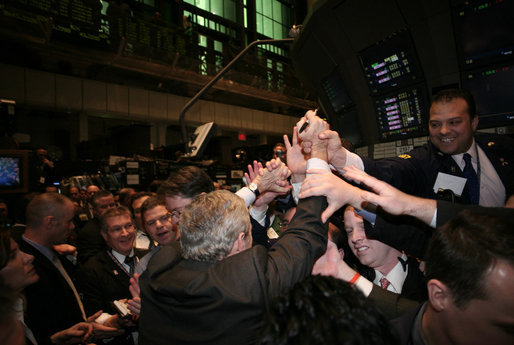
[{"x": 454, "y": 183}]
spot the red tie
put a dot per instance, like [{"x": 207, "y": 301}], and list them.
[{"x": 384, "y": 283}]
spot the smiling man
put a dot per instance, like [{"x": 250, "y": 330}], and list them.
[
  {"x": 434, "y": 170},
  {"x": 383, "y": 265},
  {"x": 105, "y": 277}
]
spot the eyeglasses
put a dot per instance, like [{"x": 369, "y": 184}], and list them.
[
  {"x": 176, "y": 215},
  {"x": 162, "y": 219},
  {"x": 128, "y": 226}
]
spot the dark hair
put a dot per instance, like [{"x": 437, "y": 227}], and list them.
[
  {"x": 448, "y": 95},
  {"x": 5, "y": 246},
  {"x": 463, "y": 250},
  {"x": 137, "y": 196},
  {"x": 148, "y": 204},
  {"x": 188, "y": 182},
  {"x": 125, "y": 194},
  {"x": 102, "y": 193},
  {"x": 325, "y": 310}
]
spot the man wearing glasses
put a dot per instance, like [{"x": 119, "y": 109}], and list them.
[{"x": 105, "y": 278}]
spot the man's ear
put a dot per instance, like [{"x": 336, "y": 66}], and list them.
[
  {"x": 474, "y": 123},
  {"x": 439, "y": 295},
  {"x": 48, "y": 221},
  {"x": 104, "y": 235},
  {"x": 238, "y": 245}
]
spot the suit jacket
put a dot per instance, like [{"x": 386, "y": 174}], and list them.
[
  {"x": 89, "y": 241},
  {"x": 415, "y": 172},
  {"x": 51, "y": 303},
  {"x": 391, "y": 304},
  {"x": 224, "y": 302},
  {"x": 100, "y": 282}
]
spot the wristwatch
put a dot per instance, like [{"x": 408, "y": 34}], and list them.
[{"x": 254, "y": 188}]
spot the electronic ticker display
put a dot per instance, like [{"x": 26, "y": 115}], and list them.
[
  {"x": 391, "y": 63},
  {"x": 402, "y": 113}
]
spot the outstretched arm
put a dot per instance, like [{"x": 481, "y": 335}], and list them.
[{"x": 391, "y": 199}]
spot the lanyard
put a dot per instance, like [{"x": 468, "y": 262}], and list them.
[{"x": 120, "y": 265}]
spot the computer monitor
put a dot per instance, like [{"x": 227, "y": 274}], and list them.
[
  {"x": 492, "y": 89},
  {"x": 484, "y": 32},
  {"x": 14, "y": 171},
  {"x": 391, "y": 63},
  {"x": 403, "y": 113}
]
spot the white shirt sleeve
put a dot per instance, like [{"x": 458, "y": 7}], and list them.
[
  {"x": 247, "y": 195},
  {"x": 433, "y": 222},
  {"x": 353, "y": 159},
  {"x": 364, "y": 285},
  {"x": 259, "y": 214}
]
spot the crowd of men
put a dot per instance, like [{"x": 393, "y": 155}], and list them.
[{"x": 321, "y": 246}]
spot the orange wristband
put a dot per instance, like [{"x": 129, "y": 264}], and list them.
[{"x": 354, "y": 279}]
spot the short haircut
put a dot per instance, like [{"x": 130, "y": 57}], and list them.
[
  {"x": 463, "y": 250},
  {"x": 448, "y": 95},
  {"x": 149, "y": 204},
  {"x": 125, "y": 193},
  {"x": 211, "y": 223},
  {"x": 43, "y": 205},
  {"x": 114, "y": 212},
  {"x": 100, "y": 194},
  {"x": 188, "y": 182},
  {"x": 325, "y": 310},
  {"x": 139, "y": 195}
]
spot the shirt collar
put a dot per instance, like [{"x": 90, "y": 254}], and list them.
[
  {"x": 396, "y": 276},
  {"x": 459, "y": 158},
  {"x": 121, "y": 257},
  {"x": 48, "y": 253}
]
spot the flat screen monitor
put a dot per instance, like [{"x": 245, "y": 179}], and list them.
[
  {"x": 336, "y": 93},
  {"x": 492, "y": 89},
  {"x": 391, "y": 63},
  {"x": 403, "y": 113},
  {"x": 13, "y": 171},
  {"x": 484, "y": 32}
]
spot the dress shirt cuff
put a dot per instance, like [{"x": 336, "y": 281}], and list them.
[
  {"x": 433, "y": 222},
  {"x": 364, "y": 285},
  {"x": 102, "y": 318},
  {"x": 296, "y": 190},
  {"x": 247, "y": 195},
  {"x": 317, "y": 163},
  {"x": 259, "y": 214},
  {"x": 353, "y": 159}
]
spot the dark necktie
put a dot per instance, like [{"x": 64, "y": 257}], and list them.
[
  {"x": 384, "y": 283},
  {"x": 472, "y": 180},
  {"x": 129, "y": 260}
]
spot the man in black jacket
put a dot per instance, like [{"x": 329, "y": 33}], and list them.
[{"x": 439, "y": 169}]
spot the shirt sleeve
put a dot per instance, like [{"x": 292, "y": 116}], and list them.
[{"x": 247, "y": 195}]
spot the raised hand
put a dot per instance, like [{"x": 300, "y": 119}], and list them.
[{"x": 337, "y": 191}]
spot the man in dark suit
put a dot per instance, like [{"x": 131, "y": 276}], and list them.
[
  {"x": 470, "y": 273},
  {"x": 105, "y": 277},
  {"x": 89, "y": 240},
  {"x": 53, "y": 302},
  {"x": 441, "y": 164},
  {"x": 214, "y": 287}
]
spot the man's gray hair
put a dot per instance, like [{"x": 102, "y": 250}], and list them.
[{"x": 210, "y": 225}]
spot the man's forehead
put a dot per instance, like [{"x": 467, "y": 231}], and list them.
[
  {"x": 157, "y": 210},
  {"x": 176, "y": 202},
  {"x": 118, "y": 220}
]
